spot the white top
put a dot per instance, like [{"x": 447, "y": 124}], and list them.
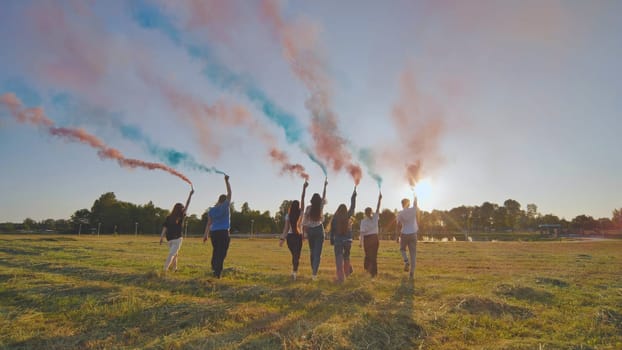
[
  {"x": 306, "y": 221},
  {"x": 408, "y": 218},
  {"x": 369, "y": 226}
]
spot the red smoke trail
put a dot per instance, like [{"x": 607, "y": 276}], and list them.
[
  {"x": 419, "y": 123},
  {"x": 286, "y": 166},
  {"x": 36, "y": 116},
  {"x": 300, "y": 49}
]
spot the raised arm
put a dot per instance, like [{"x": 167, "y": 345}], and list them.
[
  {"x": 302, "y": 198},
  {"x": 188, "y": 201},
  {"x": 324, "y": 192},
  {"x": 228, "y": 188},
  {"x": 352, "y": 203},
  {"x": 378, "y": 205}
]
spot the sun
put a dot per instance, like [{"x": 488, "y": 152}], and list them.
[{"x": 423, "y": 189}]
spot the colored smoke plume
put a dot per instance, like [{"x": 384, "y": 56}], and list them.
[
  {"x": 37, "y": 117},
  {"x": 301, "y": 50},
  {"x": 419, "y": 122},
  {"x": 282, "y": 159}
]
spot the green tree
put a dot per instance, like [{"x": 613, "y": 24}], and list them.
[
  {"x": 386, "y": 222},
  {"x": 512, "y": 209},
  {"x": 487, "y": 211},
  {"x": 29, "y": 224},
  {"x": 616, "y": 217}
]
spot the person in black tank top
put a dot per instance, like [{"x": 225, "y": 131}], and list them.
[
  {"x": 172, "y": 229},
  {"x": 291, "y": 230}
]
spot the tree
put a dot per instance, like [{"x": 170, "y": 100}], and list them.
[
  {"x": 531, "y": 215},
  {"x": 616, "y": 217},
  {"x": 499, "y": 218},
  {"x": 386, "y": 221},
  {"x": 80, "y": 219},
  {"x": 279, "y": 217},
  {"x": 584, "y": 222},
  {"x": 512, "y": 209},
  {"x": 486, "y": 212},
  {"x": 29, "y": 224}
]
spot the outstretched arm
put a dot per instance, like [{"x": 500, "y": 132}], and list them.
[
  {"x": 228, "y": 188},
  {"x": 378, "y": 205},
  {"x": 352, "y": 203},
  {"x": 188, "y": 201},
  {"x": 324, "y": 192},
  {"x": 302, "y": 198}
]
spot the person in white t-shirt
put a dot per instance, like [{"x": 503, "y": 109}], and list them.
[
  {"x": 369, "y": 238},
  {"x": 407, "y": 222}
]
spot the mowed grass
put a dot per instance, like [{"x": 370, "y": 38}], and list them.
[{"x": 68, "y": 292}]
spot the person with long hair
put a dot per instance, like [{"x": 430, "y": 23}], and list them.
[
  {"x": 291, "y": 230},
  {"x": 217, "y": 229},
  {"x": 341, "y": 238},
  {"x": 369, "y": 238},
  {"x": 407, "y": 222},
  {"x": 172, "y": 229},
  {"x": 313, "y": 229}
]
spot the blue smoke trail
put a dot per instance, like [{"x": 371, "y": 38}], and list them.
[
  {"x": 366, "y": 157},
  {"x": 151, "y": 17},
  {"x": 169, "y": 156},
  {"x": 315, "y": 160}
]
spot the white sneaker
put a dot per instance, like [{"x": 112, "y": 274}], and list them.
[
  {"x": 314, "y": 277},
  {"x": 293, "y": 276}
]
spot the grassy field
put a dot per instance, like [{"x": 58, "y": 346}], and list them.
[{"x": 68, "y": 292}]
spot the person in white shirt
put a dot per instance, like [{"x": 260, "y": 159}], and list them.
[
  {"x": 407, "y": 221},
  {"x": 369, "y": 238}
]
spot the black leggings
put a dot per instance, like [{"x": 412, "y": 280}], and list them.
[
  {"x": 294, "y": 243},
  {"x": 220, "y": 243}
]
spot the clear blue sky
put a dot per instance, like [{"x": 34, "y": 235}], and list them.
[{"x": 528, "y": 96}]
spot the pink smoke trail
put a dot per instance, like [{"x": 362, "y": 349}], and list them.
[
  {"x": 419, "y": 123},
  {"x": 203, "y": 116},
  {"x": 282, "y": 158},
  {"x": 300, "y": 49},
  {"x": 37, "y": 117}
]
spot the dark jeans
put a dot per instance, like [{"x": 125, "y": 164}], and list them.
[
  {"x": 342, "y": 258},
  {"x": 220, "y": 244},
  {"x": 316, "y": 241},
  {"x": 410, "y": 241},
  {"x": 371, "y": 244},
  {"x": 294, "y": 243}
]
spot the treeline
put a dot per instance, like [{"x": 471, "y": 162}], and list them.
[{"x": 110, "y": 215}]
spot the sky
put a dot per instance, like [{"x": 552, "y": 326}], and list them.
[{"x": 466, "y": 101}]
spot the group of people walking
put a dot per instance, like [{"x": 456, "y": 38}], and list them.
[{"x": 300, "y": 225}]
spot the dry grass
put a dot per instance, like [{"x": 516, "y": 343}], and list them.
[{"x": 60, "y": 292}]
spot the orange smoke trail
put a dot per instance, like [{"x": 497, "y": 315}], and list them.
[
  {"x": 300, "y": 49},
  {"x": 37, "y": 117},
  {"x": 286, "y": 166},
  {"x": 419, "y": 123}
]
